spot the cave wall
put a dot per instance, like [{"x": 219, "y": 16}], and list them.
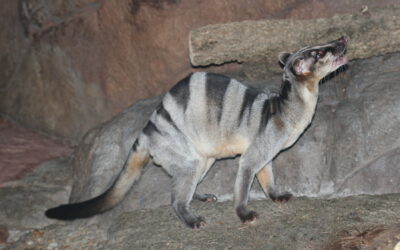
[{"x": 67, "y": 65}]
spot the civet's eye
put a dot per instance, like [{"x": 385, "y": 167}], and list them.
[{"x": 320, "y": 54}]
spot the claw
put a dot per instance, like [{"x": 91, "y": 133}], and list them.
[
  {"x": 249, "y": 218},
  {"x": 199, "y": 223},
  {"x": 206, "y": 197},
  {"x": 211, "y": 198},
  {"x": 281, "y": 198}
]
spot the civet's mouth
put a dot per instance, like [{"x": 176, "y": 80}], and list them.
[
  {"x": 340, "y": 60},
  {"x": 340, "y": 51}
]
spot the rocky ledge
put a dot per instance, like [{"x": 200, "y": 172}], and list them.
[{"x": 373, "y": 32}]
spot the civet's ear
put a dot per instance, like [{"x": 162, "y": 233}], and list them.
[
  {"x": 283, "y": 57},
  {"x": 302, "y": 67}
]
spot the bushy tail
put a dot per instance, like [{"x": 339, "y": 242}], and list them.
[{"x": 137, "y": 159}]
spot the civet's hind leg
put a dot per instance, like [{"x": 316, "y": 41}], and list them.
[{"x": 266, "y": 179}]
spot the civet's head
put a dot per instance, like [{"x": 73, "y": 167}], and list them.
[{"x": 315, "y": 62}]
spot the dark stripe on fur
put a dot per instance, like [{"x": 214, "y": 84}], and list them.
[
  {"x": 249, "y": 96},
  {"x": 265, "y": 115},
  {"x": 278, "y": 101},
  {"x": 181, "y": 92},
  {"x": 286, "y": 87},
  {"x": 164, "y": 113},
  {"x": 275, "y": 104},
  {"x": 135, "y": 144},
  {"x": 216, "y": 86},
  {"x": 150, "y": 129}
]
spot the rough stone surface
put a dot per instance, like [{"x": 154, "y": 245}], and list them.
[
  {"x": 373, "y": 33},
  {"x": 23, "y": 203},
  {"x": 379, "y": 237},
  {"x": 3, "y": 234},
  {"x": 66, "y": 66},
  {"x": 352, "y": 146},
  {"x": 21, "y": 150},
  {"x": 299, "y": 224}
]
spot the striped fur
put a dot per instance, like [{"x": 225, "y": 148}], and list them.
[{"x": 208, "y": 116}]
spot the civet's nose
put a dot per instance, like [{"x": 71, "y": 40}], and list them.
[
  {"x": 340, "y": 45},
  {"x": 343, "y": 39}
]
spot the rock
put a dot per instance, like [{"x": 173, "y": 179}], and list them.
[
  {"x": 60, "y": 236},
  {"x": 23, "y": 203},
  {"x": 21, "y": 150},
  {"x": 66, "y": 66},
  {"x": 352, "y": 146},
  {"x": 3, "y": 234},
  {"x": 54, "y": 100},
  {"x": 371, "y": 35},
  {"x": 378, "y": 237}
]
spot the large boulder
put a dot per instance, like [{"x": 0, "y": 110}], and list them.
[
  {"x": 352, "y": 146},
  {"x": 66, "y": 66}
]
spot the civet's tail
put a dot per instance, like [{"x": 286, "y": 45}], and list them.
[{"x": 137, "y": 159}]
